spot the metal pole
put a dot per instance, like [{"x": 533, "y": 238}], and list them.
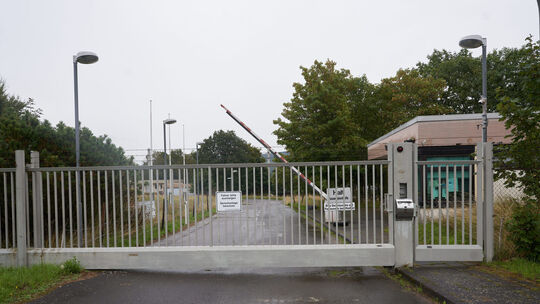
[
  {"x": 164, "y": 177},
  {"x": 484, "y": 91},
  {"x": 151, "y": 158},
  {"x": 184, "y": 174},
  {"x": 170, "y": 161},
  {"x": 76, "y": 91},
  {"x": 538, "y": 2},
  {"x": 197, "y": 174},
  {"x": 77, "y": 150}
]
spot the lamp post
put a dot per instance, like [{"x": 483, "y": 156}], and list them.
[
  {"x": 472, "y": 42},
  {"x": 84, "y": 58},
  {"x": 197, "y": 174},
  {"x": 168, "y": 121}
]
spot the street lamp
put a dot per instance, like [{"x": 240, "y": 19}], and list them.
[
  {"x": 197, "y": 174},
  {"x": 472, "y": 42},
  {"x": 84, "y": 58},
  {"x": 168, "y": 121}
]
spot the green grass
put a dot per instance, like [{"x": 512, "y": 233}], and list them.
[
  {"x": 443, "y": 239},
  {"x": 146, "y": 236},
  {"x": 22, "y": 284},
  {"x": 523, "y": 267}
]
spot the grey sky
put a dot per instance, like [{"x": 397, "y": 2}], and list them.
[{"x": 190, "y": 56}]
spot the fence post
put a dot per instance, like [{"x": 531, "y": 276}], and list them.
[
  {"x": 488, "y": 201},
  {"x": 403, "y": 187},
  {"x": 20, "y": 201},
  {"x": 37, "y": 201},
  {"x": 480, "y": 195}
]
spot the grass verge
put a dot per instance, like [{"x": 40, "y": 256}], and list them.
[
  {"x": 18, "y": 284},
  {"x": 523, "y": 267}
]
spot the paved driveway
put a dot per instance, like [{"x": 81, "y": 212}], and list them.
[{"x": 353, "y": 285}]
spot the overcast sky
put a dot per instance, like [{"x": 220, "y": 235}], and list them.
[{"x": 191, "y": 56}]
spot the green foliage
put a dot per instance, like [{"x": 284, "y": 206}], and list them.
[
  {"x": 524, "y": 228},
  {"x": 463, "y": 76},
  {"x": 18, "y": 284},
  {"x": 225, "y": 147},
  {"x": 22, "y": 129},
  {"x": 520, "y": 110},
  {"x": 407, "y": 95},
  {"x": 176, "y": 155},
  {"x": 333, "y": 115},
  {"x": 319, "y": 120},
  {"x": 72, "y": 266},
  {"x": 526, "y": 268}
]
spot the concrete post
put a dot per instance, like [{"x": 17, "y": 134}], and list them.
[
  {"x": 20, "y": 203},
  {"x": 390, "y": 197},
  {"x": 37, "y": 201},
  {"x": 403, "y": 186}
]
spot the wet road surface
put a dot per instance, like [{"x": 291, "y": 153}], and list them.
[
  {"x": 332, "y": 285},
  {"x": 270, "y": 222},
  {"x": 260, "y": 222}
]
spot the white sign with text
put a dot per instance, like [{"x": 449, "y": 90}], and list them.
[
  {"x": 339, "y": 199},
  {"x": 229, "y": 201}
]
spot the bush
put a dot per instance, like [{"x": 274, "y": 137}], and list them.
[
  {"x": 72, "y": 266},
  {"x": 524, "y": 228}
]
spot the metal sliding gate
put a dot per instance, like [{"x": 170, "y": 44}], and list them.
[{"x": 236, "y": 215}]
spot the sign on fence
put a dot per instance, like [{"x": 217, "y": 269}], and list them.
[
  {"x": 149, "y": 208},
  {"x": 339, "y": 199},
  {"x": 229, "y": 201}
]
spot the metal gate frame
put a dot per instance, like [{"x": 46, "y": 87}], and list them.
[
  {"x": 28, "y": 252},
  {"x": 401, "y": 249},
  {"x": 482, "y": 166}
]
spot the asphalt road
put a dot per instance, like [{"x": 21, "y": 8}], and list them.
[
  {"x": 353, "y": 285},
  {"x": 269, "y": 222},
  {"x": 260, "y": 222}
]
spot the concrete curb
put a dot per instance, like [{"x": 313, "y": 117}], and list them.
[{"x": 428, "y": 290}]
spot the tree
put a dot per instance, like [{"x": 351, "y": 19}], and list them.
[
  {"x": 463, "y": 76},
  {"x": 407, "y": 95},
  {"x": 520, "y": 110},
  {"x": 176, "y": 156},
  {"x": 319, "y": 122},
  {"x": 22, "y": 129},
  {"x": 226, "y": 147}
]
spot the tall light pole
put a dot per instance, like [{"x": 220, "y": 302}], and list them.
[
  {"x": 151, "y": 158},
  {"x": 84, "y": 58},
  {"x": 168, "y": 121},
  {"x": 472, "y": 42},
  {"x": 197, "y": 173},
  {"x": 184, "y": 170}
]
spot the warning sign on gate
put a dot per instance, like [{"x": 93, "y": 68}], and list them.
[
  {"x": 229, "y": 201},
  {"x": 339, "y": 199}
]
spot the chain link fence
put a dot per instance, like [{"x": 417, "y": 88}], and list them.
[{"x": 505, "y": 198}]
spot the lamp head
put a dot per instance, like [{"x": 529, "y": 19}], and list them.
[
  {"x": 169, "y": 121},
  {"x": 471, "y": 41},
  {"x": 85, "y": 57}
]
